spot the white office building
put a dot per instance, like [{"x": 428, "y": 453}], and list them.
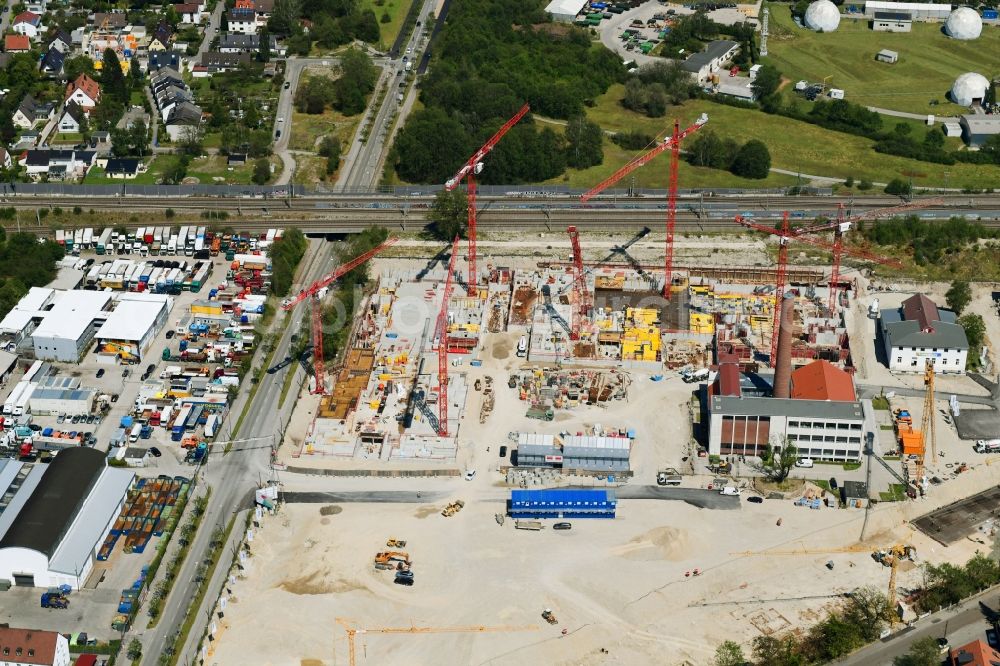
[{"x": 919, "y": 332}]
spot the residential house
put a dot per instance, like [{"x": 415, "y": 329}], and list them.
[
  {"x": 919, "y": 333},
  {"x": 162, "y": 38},
  {"x": 242, "y": 21},
  {"x": 125, "y": 45},
  {"x": 28, "y": 24},
  {"x": 52, "y": 62},
  {"x": 126, "y": 168},
  {"x": 30, "y": 112},
  {"x": 85, "y": 91},
  {"x": 976, "y": 653},
  {"x": 190, "y": 12},
  {"x": 33, "y": 647},
  {"x": 62, "y": 42},
  {"x": 181, "y": 117},
  {"x": 58, "y": 164},
  {"x": 110, "y": 22},
  {"x": 702, "y": 66},
  {"x": 214, "y": 62},
  {"x": 73, "y": 119},
  {"x": 160, "y": 59},
  {"x": 16, "y": 44},
  {"x": 235, "y": 43}
]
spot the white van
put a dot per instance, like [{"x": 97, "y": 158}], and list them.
[
  {"x": 730, "y": 490},
  {"x": 522, "y": 346}
]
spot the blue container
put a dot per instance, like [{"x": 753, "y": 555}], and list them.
[
  {"x": 183, "y": 345},
  {"x": 126, "y": 422},
  {"x": 47, "y": 432},
  {"x": 990, "y": 14}
]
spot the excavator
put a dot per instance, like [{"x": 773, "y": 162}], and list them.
[{"x": 390, "y": 559}]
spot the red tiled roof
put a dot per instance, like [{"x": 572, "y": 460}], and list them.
[
  {"x": 976, "y": 653},
  {"x": 921, "y": 309},
  {"x": 187, "y": 8},
  {"x": 728, "y": 381},
  {"x": 86, "y": 660},
  {"x": 16, "y": 43},
  {"x": 89, "y": 86},
  {"x": 27, "y": 17},
  {"x": 36, "y": 647},
  {"x": 821, "y": 380}
]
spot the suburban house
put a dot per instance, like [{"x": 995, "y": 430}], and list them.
[
  {"x": 701, "y": 66},
  {"x": 34, "y": 647},
  {"x": 162, "y": 38},
  {"x": 160, "y": 59},
  {"x": 125, "y": 45},
  {"x": 85, "y": 91},
  {"x": 62, "y": 42},
  {"x": 110, "y": 22},
  {"x": 52, "y": 62},
  {"x": 242, "y": 21},
  {"x": 73, "y": 119},
  {"x": 28, "y": 24},
  {"x": 58, "y": 164},
  {"x": 976, "y": 653},
  {"x": 214, "y": 62},
  {"x": 16, "y": 44},
  {"x": 190, "y": 12},
  {"x": 236, "y": 43},
  {"x": 919, "y": 332},
  {"x": 30, "y": 112},
  {"x": 123, "y": 167},
  {"x": 183, "y": 116},
  {"x": 174, "y": 102}
]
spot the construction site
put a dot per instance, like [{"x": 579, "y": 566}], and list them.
[{"x": 479, "y": 395}]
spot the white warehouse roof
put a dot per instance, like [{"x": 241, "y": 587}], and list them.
[
  {"x": 29, "y": 306},
  {"x": 565, "y": 7},
  {"x": 132, "y": 319},
  {"x": 72, "y": 314},
  {"x": 882, "y": 5}
]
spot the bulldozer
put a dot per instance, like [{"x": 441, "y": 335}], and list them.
[
  {"x": 549, "y": 616},
  {"x": 390, "y": 559},
  {"x": 452, "y": 508},
  {"x": 396, "y": 543}
]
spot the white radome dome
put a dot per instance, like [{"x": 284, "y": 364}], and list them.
[
  {"x": 969, "y": 87},
  {"x": 822, "y": 15},
  {"x": 964, "y": 23}
]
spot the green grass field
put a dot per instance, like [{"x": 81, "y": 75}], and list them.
[
  {"x": 794, "y": 145},
  {"x": 206, "y": 169},
  {"x": 397, "y": 12},
  {"x": 928, "y": 63}
]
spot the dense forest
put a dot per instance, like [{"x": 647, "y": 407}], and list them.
[
  {"x": 24, "y": 263},
  {"x": 491, "y": 57},
  {"x": 930, "y": 241}
]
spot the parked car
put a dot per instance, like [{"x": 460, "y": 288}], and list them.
[
  {"x": 156, "y": 453},
  {"x": 61, "y": 417},
  {"x": 833, "y": 483},
  {"x": 563, "y": 526},
  {"x": 126, "y": 372},
  {"x": 288, "y": 84},
  {"x": 755, "y": 499},
  {"x": 100, "y": 373},
  {"x": 170, "y": 334},
  {"x": 470, "y": 475},
  {"x": 804, "y": 462},
  {"x": 503, "y": 451}
]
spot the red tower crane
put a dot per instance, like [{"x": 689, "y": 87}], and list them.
[
  {"x": 441, "y": 335},
  {"x": 785, "y": 235},
  {"x": 317, "y": 290},
  {"x": 469, "y": 171},
  {"x": 673, "y": 142},
  {"x": 581, "y": 294},
  {"x": 842, "y": 225}
]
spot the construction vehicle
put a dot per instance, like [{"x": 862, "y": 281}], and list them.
[
  {"x": 396, "y": 543},
  {"x": 403, "y": 577},
  {"x": 452, "y": 508},
  {"x": 891, "y": 557},
  {"x": 391, "y": 558},
  {"x": 532, "y": 525},
  {"x": 549, "y": 616}
]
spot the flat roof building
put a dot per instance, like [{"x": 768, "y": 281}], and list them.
[
  {"x": 56, "y": 516},
  {"x": 68, "y": 326},
  {"x": 978, "y": 128},
  {"x": 918, "y": 11},
  {"x": 701, "y": 66},
  {"x": 581, "y": 454},
  {"x": 919, "y": 332},
  {"x": 898, "y": 21},
  {"x": 131, "y": 327},
  {"x": 565, "y": 10}
]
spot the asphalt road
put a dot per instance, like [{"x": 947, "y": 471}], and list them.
[
  {"x": 703, "y": 499},
  {"x": 372, "y": 497},
  {"x": 962, "y": 624}
]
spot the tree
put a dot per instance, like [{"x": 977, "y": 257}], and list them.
[
  {"x": 264, "y": 53},
  {"x": 766, "y": 83},
  {"x": 134, "y": 649},
  {"x": 192, "y": 140},
  {"x": 330, "y": 148},
  {"x": 777, "y": 461},
  {"x": 584, "y": 143},
  {"x": 74, "y": 66},
  {"x": 357, "y": 79},
  {"x": 449, "y": 214},
  {"x": 898, "y": 187},
  {"x": 113, "y": 83},
  {"x": 869, "y": 610},
  {"x": 708, "y": 150},
  {"x": 923, "y": 652},
  {"x": 958, "y": 296},
  {"x": 261, "y": 171},
  {"x": 772, "y": 651},
  {"x": 975, "y": 333},
  {"x": 729, "y": 653},
  {"x": 752, "y": 160}
]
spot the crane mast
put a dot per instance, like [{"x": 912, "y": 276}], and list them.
[
  {"x": 472, "y": 168},
  {"x": 441, "y": 333},
  {"x": 581, "y": 307}
]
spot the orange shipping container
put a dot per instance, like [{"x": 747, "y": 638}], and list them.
[{"x": 912, "y": 443}]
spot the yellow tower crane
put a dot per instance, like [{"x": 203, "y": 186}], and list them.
[
  {"x": 927, "y": 427},
  {"x": 352, "y": 632}
]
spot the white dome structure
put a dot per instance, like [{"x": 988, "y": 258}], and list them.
[
  {"x": 964, "y": 23},
  {"x": 968, "y": 88},
  {"x": 822, "y": 15}
]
